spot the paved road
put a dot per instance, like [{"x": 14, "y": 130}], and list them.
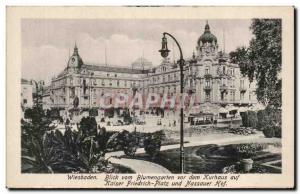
[{"x": 140, "y": 166}]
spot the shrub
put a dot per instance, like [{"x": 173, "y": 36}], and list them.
[
  {"x": 249, "y": 119},
  {"x": 93, "y": 112},
  {"x": 248, "y": 150},
  {"x": 129, "y": 143},
  {"x": 152, "y": 143},
  {"x": 268, "y": 116},
  {"x": 269, "y": 131},
  {"x": 277, "y": 130},
  {"x": 88, "y": 126}
]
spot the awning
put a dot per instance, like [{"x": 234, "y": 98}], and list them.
[
  {"x": 257, "y": 107},
  {"x": 243, "y": 109},
  {"x": 223, "y": 110}
]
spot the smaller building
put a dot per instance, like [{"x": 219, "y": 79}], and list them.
[{"x": 26, "y": 94}]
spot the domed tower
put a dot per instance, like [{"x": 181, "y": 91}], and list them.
[
  {"x": 207, "y": 44},
  {"x": 75, "y": 61}
]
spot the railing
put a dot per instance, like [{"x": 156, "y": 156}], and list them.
[
  {"x": 224, "y": 87},
  {"x": 207, "y": 88},
  {"x": 243, "y": 89},
  {"x": 207, "y": 76}
]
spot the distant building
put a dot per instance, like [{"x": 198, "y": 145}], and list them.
[
  {"x": 26, "y": 94},
  {"x": 141, "y": 64}
]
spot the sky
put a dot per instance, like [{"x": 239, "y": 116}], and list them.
[{"x": 47, "y": 43}]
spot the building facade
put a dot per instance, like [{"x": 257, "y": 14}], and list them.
[
  {"x": 208, "y": 75},
  {"x": 26, "y": 94}
]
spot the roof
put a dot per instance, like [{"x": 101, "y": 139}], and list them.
[
  {"x": 200, "y": 114},
  {"x": 116, "y": 69},
  {"x": 207, "y": 36}
]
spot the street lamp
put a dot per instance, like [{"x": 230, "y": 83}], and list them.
[{"x": 164, "y": 51}]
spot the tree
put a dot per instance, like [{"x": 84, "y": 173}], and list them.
[
  {"x": 88, "y": 125},
  {"x": 262, "y": 60},
  {"x": 249, "y": 119},
  {"x": 36, "y": 155}
]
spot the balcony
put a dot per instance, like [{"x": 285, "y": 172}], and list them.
[
  {"x": 207, "y": 76},
  {"x": 223, "y": 88},
  {"x": 190, "y": 89},
  {"x": 243, "y": 89},
  {"x": 207, "y": 88},
  {"x": 223, "y": 74}
]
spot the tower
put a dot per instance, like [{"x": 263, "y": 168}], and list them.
[
  {"x": 75, "y": 61},
  {"x": 207, "y": 44}
]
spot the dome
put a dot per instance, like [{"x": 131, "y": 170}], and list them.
[
  {"x": 75, "y": 60},
  {"x": 207, "y": 36},
  {"x": 141, "y": 63}
]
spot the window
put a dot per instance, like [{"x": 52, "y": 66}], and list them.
[
  {"x": 242, "y": 95},
  {"x": 116, "y": 75},
  {"x": 242, "y": 83},
  {"x": 207, "y": 70},
  {"x": 223, "y": 82},
  {"x": 24, "y": 101},
  {"x": 207, "y": 83},
  {"x": 118, "y": 83}
]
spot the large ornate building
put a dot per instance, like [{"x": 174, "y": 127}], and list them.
[{"x": 208, "y": 75}]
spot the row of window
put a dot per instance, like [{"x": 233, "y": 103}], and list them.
[
  {"x": 231, "y": 96},
  {"x": 163, "y": 78}
]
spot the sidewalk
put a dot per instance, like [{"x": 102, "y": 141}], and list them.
[{"x": 140, "y": 166}]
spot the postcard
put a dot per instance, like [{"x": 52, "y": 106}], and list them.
[{"x": 150, "y": 97}]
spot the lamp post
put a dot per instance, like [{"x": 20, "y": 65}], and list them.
[{"x": 164, "y": 51}]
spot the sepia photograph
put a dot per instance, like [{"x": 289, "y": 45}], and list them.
[{"x": 201, "y": 97}]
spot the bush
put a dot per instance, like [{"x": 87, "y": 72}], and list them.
[
  {"x": 248, "y": 150},
  {"x": 129, "y": 143},
  {"x": 152, "y": 143},
  {"x": 269, "y": 131},
  {"x": 249, "y": 119},
  {"x": 270, "y": 117},
  {"x": 88, "y": 126},
  {"x": 93, "y": 112},
  {"x": 277, "y": 130}
]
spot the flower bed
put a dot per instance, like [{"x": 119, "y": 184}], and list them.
[{"x": 243, "y": 131}]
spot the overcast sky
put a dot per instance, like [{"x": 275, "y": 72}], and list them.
[{"x": 46, "y": 42}]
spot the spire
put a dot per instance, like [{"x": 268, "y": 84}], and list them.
[
  {"x": 75, "y": 49},
  {"x": 207, "y": 30}
]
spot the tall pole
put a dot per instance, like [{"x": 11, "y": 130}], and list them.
[{"x": 181, "y": 64}]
